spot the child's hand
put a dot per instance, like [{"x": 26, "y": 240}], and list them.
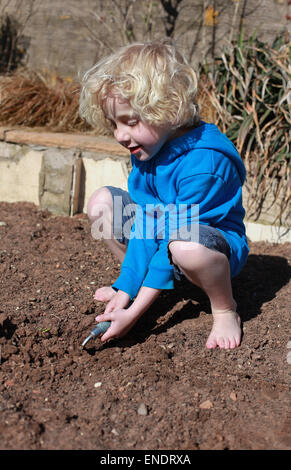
[
  {"x": 119, "y": 301},
  {"x": 121, "y": 322}
]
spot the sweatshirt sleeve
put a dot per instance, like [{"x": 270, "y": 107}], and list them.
[
  {"x": 160, "y": 271},
  {"x": 135, "y": 265}
]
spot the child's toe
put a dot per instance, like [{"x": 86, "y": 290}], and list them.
[
  {"x": 221, "y": 343},
  {"x": 232, "y": 343},
  {"x": 211, "y": 343}
]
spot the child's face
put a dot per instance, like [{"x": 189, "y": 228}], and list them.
[{"x": 141, "y": 139}]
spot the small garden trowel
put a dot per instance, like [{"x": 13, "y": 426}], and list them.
[{"x": 97, "y": 331}]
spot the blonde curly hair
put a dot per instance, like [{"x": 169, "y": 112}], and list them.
[{"x": 153, "y": 77}]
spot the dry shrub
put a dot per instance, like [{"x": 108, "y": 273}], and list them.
[
  {"x": 250, "y": 89},
  {"x": 29, "y": 99},
  {"x": 208, "y": 111}
]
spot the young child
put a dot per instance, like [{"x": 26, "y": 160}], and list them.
[{"x": 146, "y": 93}]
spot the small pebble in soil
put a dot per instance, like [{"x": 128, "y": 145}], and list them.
[
  {"x": 233, "y": 396},
  {"x": 206, "y": 405},
  {"x": 142, "y": 410}
]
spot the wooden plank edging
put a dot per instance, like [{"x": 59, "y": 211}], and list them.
[{"x": 98, "y": 144}]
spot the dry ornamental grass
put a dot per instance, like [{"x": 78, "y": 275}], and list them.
[
  {"x": 250, "y": 90},
  {"x": 31, "y": 100}
]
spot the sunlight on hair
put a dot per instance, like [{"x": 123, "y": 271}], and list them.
[{"x": 154, "y": 77}]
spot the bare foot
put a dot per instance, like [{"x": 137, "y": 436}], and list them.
[
  {"x": 104, "y": 294},
  {"x": 226, "y": 330}
]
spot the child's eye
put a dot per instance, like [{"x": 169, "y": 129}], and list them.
[{"x": 132, "y": 122}]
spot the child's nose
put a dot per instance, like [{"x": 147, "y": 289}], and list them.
[{"x": 122, "y": 136}]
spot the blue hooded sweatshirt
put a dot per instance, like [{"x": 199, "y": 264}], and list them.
[{"x": 201, "y": 167}]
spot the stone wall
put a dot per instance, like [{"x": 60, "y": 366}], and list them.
[{"x": 58, "y": 178}]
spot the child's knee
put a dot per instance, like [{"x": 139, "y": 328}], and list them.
[
  {"x": 180, "y": 250},
  {"x": 192, "y": 255},
  {"x": 99, "y": 202}
]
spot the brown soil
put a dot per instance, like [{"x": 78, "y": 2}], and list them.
[{"x": 56, "y": 395}]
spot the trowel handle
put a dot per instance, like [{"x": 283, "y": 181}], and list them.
[
  {"x": 100, "y": 328},
  {"x": 97, "y": 331}
]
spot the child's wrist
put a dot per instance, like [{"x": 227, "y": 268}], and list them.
[
  {"x": 134, "y": 311},
  {"x": 121, "y": 293}
]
